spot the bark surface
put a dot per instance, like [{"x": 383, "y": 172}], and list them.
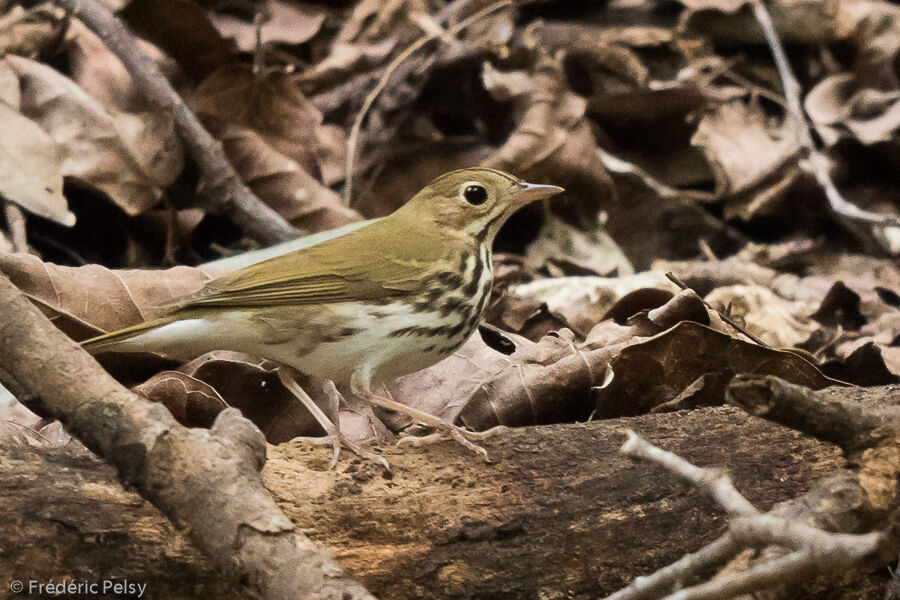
[{"x": 559, "y": 515}]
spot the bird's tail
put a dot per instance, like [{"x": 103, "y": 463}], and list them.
[{"x": 117, "y": 340}]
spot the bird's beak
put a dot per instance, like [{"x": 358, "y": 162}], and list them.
[{"x": 536, "y": 191}]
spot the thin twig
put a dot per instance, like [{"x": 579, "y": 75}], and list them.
[
  {"x": 713, "y": 482},
  {"x": 259, "y": 50},
  {"x": 817, "y": 163},
  {"x": 15, "y": 220},
  {"x": 220, "y": 185},
  {"x": 813, "y": 550},
  {"x": 650, "y": 587},
  {"x": 386, "y": 75}
]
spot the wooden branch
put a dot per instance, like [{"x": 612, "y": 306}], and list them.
[
  {"x": 205, "y": 480},
  {"x": 15, "y": 221},
  {"x": 220, "y": 185},
  {"x": 824, "y": 414},
  {"x": 560, "y": 515},
  {"x": 813, "y": 550}
]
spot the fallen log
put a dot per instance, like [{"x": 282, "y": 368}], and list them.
[{"x": 560, "y": 514}]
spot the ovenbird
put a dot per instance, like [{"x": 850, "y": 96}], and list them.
[{"x": 382, "y": 301}]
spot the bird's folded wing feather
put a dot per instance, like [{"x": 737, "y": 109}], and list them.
[{"x": 352, "y": 267}]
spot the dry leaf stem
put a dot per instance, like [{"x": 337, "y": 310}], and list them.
[
  {"x": 220, "y": 186},
  {"x": 207, "y": 481},
  {"x": 816, "y": 163},
  {"x": 15, "y": 221},
  {"x": 389, "y": 71}
]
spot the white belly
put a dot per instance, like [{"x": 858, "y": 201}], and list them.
[{"x": 363, "y": 339}]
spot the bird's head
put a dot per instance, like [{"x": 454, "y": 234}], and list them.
[{"x": 476, "y": 201}]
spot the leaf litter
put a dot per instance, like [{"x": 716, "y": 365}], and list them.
[{"x": 668, "y": 130}]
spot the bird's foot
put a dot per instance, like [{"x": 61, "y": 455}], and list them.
[
  {"x": 464, "y": 437},
  {"x": 333, "y": 433},
  {"x": 337, "y": 440}
]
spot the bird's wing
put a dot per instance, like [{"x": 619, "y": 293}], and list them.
[{"x": 362, "y": 265}]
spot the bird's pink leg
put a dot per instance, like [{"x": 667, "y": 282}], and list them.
[
  {"x": 333, "y": 432},
  {"x": 463, "y": 436}
]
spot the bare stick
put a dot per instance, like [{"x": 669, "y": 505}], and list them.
[
  {"x": 220, "y": 185},
  {"x": 817, "y": 163},
  {"x": 650, "y": 587},
  {"x": 813, "y": 550},
  {"x": 713, "y": 482},
  {"x": 15, "y": 220},
  {"x": 821, "y": 414},
  {"x": 207, "y": 481},
  {"x": 386, "y": 75}
]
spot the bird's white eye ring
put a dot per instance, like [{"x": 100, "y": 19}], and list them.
[{"x": 473, "y": 193}]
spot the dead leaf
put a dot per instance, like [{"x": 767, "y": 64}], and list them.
[
  {"x": 270, "y": 104},
  {"x": 864, "y": 365},
  {"x": 731, "y": 22},
  {"x": 653, "y": 220},
  {"x": 98, "y": 71},
  {"x": 183, "y": 30},
  {"x": 657, "y": 370},
  {"x": 767, "y": 316},
  {"x": 30, "y": 170},
  {"x": 576, "y": 251},
  {"x": 481, "y": 387},
  {"x": 552, "y": 135},
  {"x": 252, "y": 386},
  {"x": 744, "y": 150},
  {"x": 283, "y": 184},
  {"x": 840, "y": 107},
  {"x": 131, "y": 158},
  {"x": 192, "y": 402},
  {"x": 284, "y": 23},
  {"x": 584, "y": 301},
  {"x": 22, "y": 35},
  {"x": 86, "y": 301}
]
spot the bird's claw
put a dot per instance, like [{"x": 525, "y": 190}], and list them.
[
  {"x": 337, "y": 439},
  {"x": 463, "y": 437}
]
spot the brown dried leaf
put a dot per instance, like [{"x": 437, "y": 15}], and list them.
[
  {"x": 131, "y": 158},
  {"x": 585, "y": 301},
  {"x": 252, "y": 386},
  {"x": 96, "y": 70},
  {"x": 861, "y": 362},
  {"x": 540, "y": 382},
  {"x": 564, "y": 249},
  {"x": 522, "y": 315},
  {"x": 285, "y": 23},
  {"x": 742, "y": 148},
  {"x": 192, "y": 402},
  {"x": 30, "y": 170},
  {"x": 270, "y": 104},
  {"x": 731, "y": 22},
  {"x": 183, "y": 30},
  {"x": 23, "y": 36},
  {"x": 653, "y": 220},
  {"x": 771, "y": 318},
  {"x": 840, "y": 108},
  {"x": 553, "y": 140},
  {"x": 657, "y": 370},
  {"x": 283, "y": 184},
  {"x": 86, "y": 301}
]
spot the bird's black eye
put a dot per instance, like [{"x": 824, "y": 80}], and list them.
[{"x": 475, "y": 194}]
